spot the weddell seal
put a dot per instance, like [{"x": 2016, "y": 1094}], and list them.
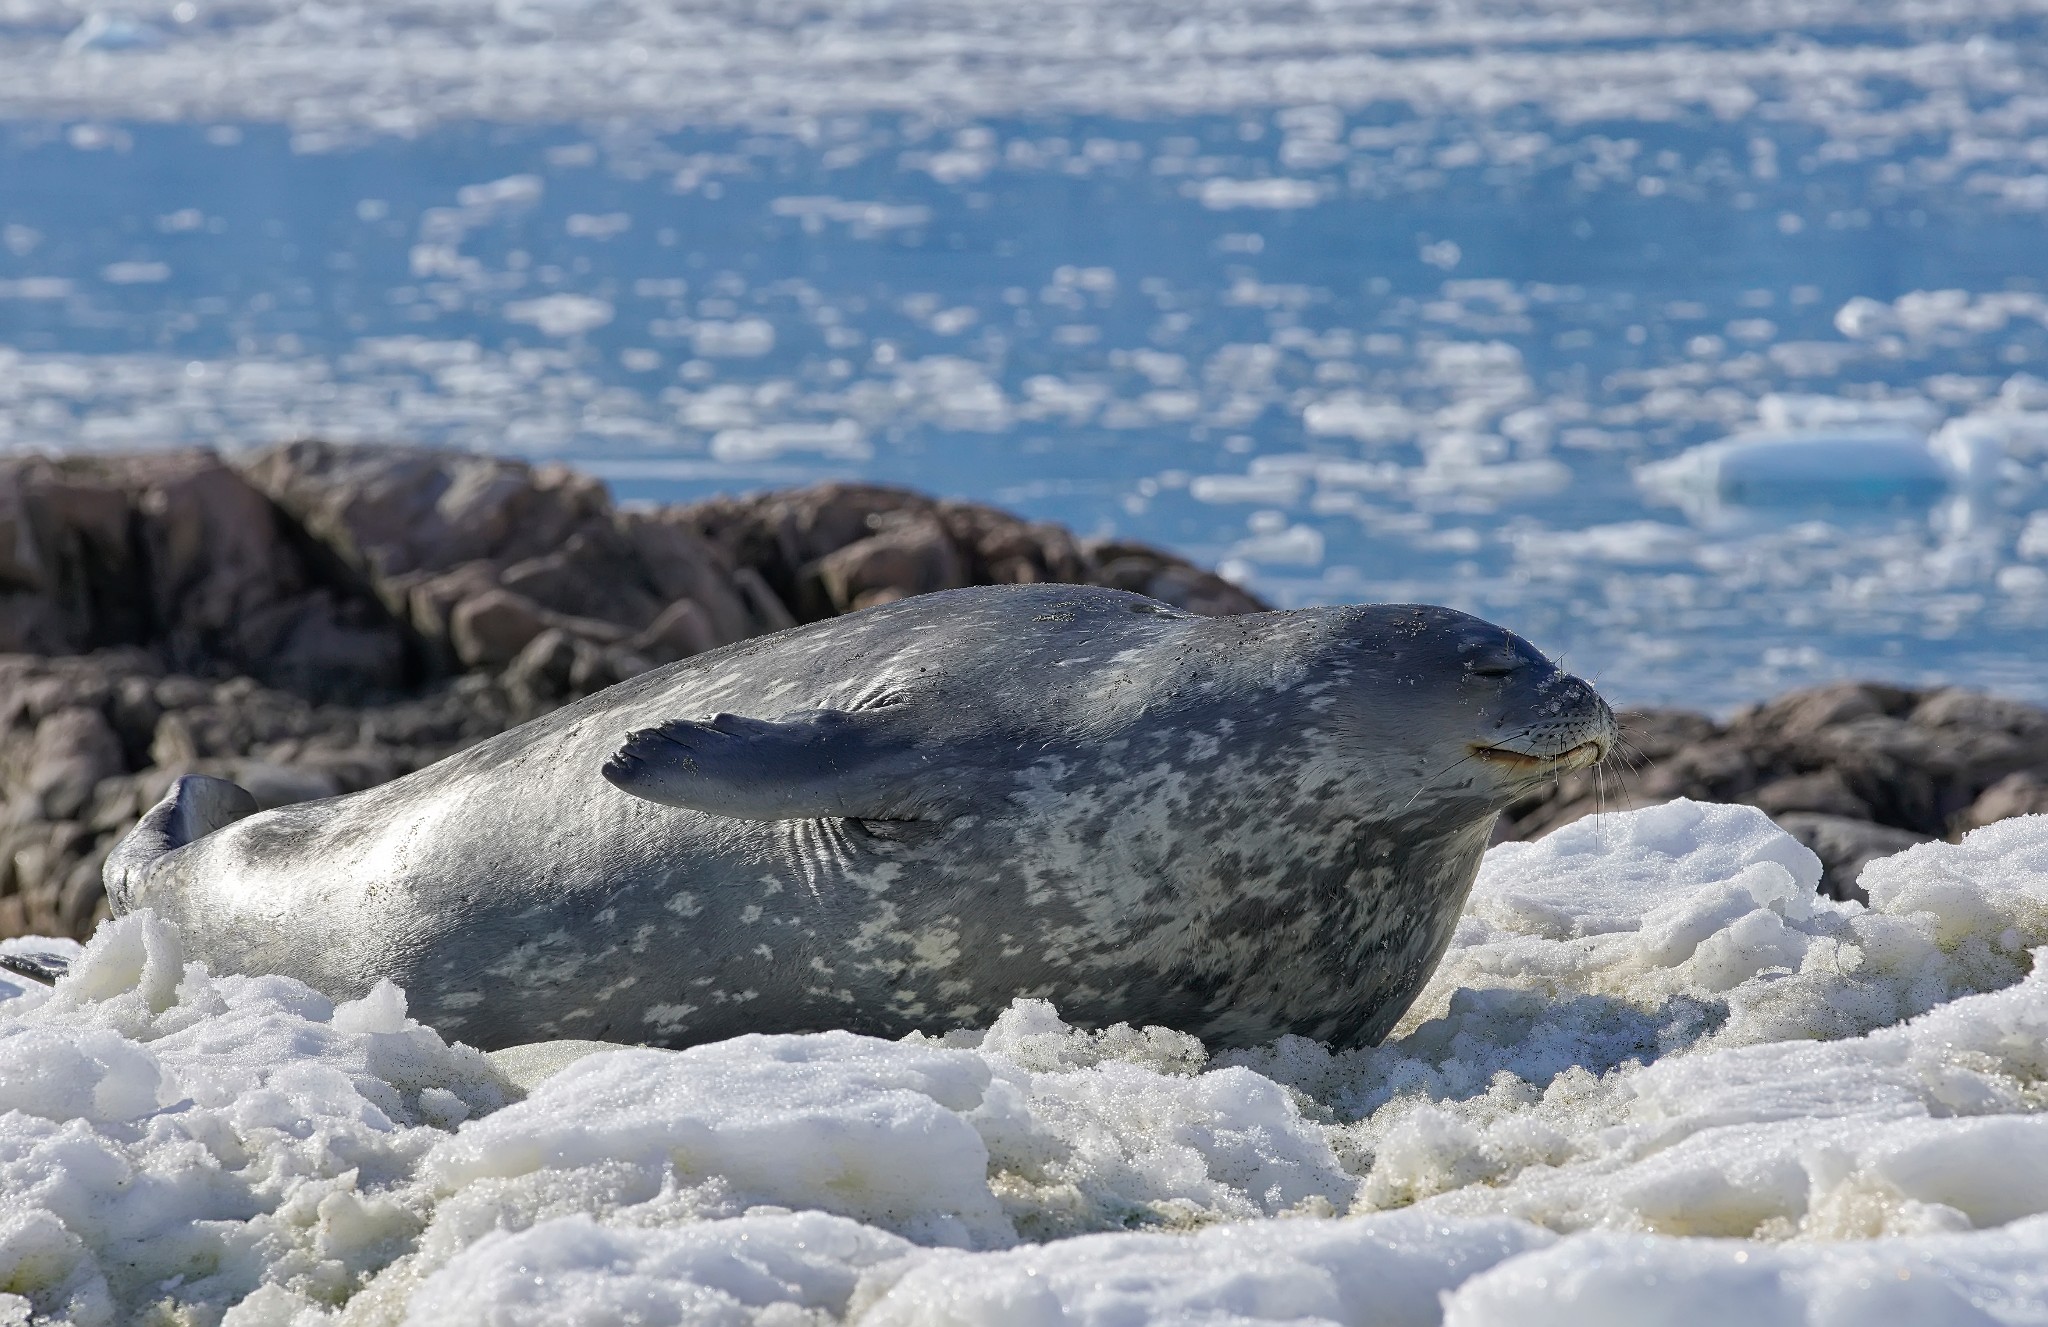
[{"x": 903, "y": 818}]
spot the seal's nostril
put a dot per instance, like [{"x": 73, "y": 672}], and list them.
[{"x": 1491, "y": 668}]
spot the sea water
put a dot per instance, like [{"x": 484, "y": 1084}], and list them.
[{"x": 1358, "y": 301}]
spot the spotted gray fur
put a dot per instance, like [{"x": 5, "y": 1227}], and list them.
[{"x": 904, "y": 818}]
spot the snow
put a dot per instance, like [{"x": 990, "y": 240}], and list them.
[{"x": 1655, "y": 1079}]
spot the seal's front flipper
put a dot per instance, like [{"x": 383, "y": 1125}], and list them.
[
  {"x": 47, "y": 969},
  {"x": 194, "y": 807},
  {"x": 810, "y": 765}
]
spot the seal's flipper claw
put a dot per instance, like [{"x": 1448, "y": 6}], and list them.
[{"x": 809, "y": 765}]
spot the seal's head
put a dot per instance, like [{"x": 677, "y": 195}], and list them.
[{"x": 1479, "y": 714}]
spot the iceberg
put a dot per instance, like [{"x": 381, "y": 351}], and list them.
[{"x": 1858, "y": 466}]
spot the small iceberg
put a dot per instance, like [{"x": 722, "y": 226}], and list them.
[{"x": 1857, "y": 466}]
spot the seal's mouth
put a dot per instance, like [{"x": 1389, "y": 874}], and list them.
[{"x": 1530, "y": 762}]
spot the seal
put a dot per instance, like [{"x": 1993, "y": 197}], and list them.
[{"x": 901, "y": 819}]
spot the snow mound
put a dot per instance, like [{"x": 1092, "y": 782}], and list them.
[{"x": 1656, "y": 1078}]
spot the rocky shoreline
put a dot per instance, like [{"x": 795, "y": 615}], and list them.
[{"x": 314, "y": 619}]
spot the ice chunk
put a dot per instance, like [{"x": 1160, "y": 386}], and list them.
[
  {"x": 842, "y": 439},
  {"x": 1612, "y": 873},
  {"x": 1597, "y": 1280},
  {"x": 743, "y": 338},
  {"x": 572, "y": 1270},
  {"x": 1855, "y": 467},
  {"x": 1222, "y": 195},
  {"x": 877, "y": 1131},
  {"x": 1629, "y": 543},
  {"x": 561, "y": 315},
  {"x": 1381, "y": 1270}
]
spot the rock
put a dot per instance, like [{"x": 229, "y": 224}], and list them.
[
  {"x": 280, "y": 785},
  {"x": 81, "y": 897},
  {"x": 1823, "y": 793},
  {"x": 541, "y": 675},
  {"x": 73, "y": 750},
  {"x": 489, "y": 630},
  {"x": 429, "y": 600},
  {"x": 2021, "y": 794},
  {"x": 1845, "y": 846},
  {"x": 762, "y": 602},
  {"x": 1962, "y": 710},
  {"x": 897, "y": 542},
  {"x": 1147, "y": 571},
  {"x": 176, "y": 552},
  {"x": 683, "y": 629},
  {"x": 913, "y": 556},
  {"x": 68, "y": 572},
  {"x": 596, "y": 574},
  {"x": 1803, "y": 714},
  {"x": 388, "y": 511},
  {"x": 679, "y": 565}
]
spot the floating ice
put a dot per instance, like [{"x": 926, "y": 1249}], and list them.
[
  {"x": 1846, "y": 467},
  {"x": 1289, "y": 546},
  {"x": 561, "y": 315},
  {"x": 135, "y": 274},
  {"x": 746, "y": 338},
  {"x": 1280, "y": 194},
  {"x": 573, "y": 1270},
  {"x": 1628, "y": 543},
  {"x": 841, "y": 439}
]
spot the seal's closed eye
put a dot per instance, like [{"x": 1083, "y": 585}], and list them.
[{"x": 804, "y": 766}]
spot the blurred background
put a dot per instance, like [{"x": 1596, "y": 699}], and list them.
[{"x": 1706, "y": 345}]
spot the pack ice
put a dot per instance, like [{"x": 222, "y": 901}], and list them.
[{"x": 1656, "y": 1079}]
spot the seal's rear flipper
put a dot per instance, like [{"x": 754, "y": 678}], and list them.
[
  {"x": 44, "y": 968},
  {"x": 194, "y": 807},
  {"x": 810, "y": 765}
]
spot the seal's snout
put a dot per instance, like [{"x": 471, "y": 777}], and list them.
[{"x": 1555, "y": 725}]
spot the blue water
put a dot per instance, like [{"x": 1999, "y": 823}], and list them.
[{"x": 1370, "y": 350}]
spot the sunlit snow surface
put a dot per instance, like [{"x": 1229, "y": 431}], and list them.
[
  {"x": 1360, "y": 300},
  {"x": 1655, "y": 1080}
]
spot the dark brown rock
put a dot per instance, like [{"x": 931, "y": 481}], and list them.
[
  {"x": 1147, "y": 571},
  {"x": 1846, "y": 845},
  {"x": 2021, "y": 794},
  {"x": 683, "y": 629},
  {"x": 897, "y": 543},
  {"x": 489, "y": 630},
  {"x": 680, "y": 566},
  {"x": 541, "y": 675},
  {"x": 73, "y": 750},
  {"x": 178, "y": 553},
  {"x": 388, "y": 511},
  {"x": 908, "y": 557},
  {"x": 1823, "y": 793}
]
